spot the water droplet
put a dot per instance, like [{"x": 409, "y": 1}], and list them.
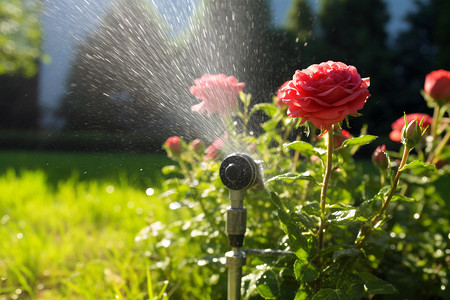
[
  {"x": 175, "y": 205},
  {"x": 149, "y": 191},
  {"x": 20, "y": 235},
  {"x": 130, "y": 204},
  {"x": 4, "y": 219},
  {"x": 117, "y": 208},
  {"x": 416, "y": 216},
  {"x": 139, "y": 210}
]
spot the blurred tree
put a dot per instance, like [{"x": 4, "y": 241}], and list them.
[
  {"x": 118, "y": 74},
  {"x": 20, "y": 41},
  {"x": 416, "y": 53},
  {"x": 20, "y": 37}
]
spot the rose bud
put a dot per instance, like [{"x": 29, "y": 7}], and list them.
[
  {"x": 412, "y": 134},
  {"x": 173, "y": 145},
  {"x": 437, "y": 85},
  {"x": 380, "y": 158}
]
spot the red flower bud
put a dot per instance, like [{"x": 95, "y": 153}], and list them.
[
  {"x": 198, "y": 146},
  {"x": 380, "y": 158},
  {"x": 173, "y": 144},
  {"x": 437, "y": 85}
]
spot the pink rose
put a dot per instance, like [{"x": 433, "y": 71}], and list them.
[
  {"x": 397, "y": 126},
  {"x": 437, "y": 85},
  {"x": 324, "y": 94},
  {"x": 174, "y": 144},
  {"x": 212, "y": 150},
  {"x": 218, "y": 93}
]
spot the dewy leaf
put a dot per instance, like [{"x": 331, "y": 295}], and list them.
[
  {"x": 304, "y": 148},
  {"x": 290, "y": 177},
  {"x": 378, "y": 286},
  {"x": 359, "y": 141},
  {"x": 268, "y": 108},
  {"x": 305, "y": 271},
  {"x": 418, "y": 164},
  {"x": 267, "y": 285}
]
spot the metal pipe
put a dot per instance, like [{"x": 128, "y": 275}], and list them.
[{"x": 235, "y": 259}]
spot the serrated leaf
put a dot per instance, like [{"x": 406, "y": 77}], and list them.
[
  {"x": 290, "y": 177},
  {"x": 268, "y": 108},
  {"x": 305, "y": 271},
  {"x": 304, "y": 148},
  {"x": 416, "y": 165},
  {"x": 330, "y": 294},
  {"x": 359, "y": 141},
  {"x": 378, "y": 286},
  {"x": 267, "y": 285}
]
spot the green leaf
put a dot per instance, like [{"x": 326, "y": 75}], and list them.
[
  {"x": 305, "y": 271},
  {"x": 330, "y": 294},
  {"x": 417, "y": 164},
  {"x": 312, "y": 208},
  {"x": 378, "y": 286},
  {"x": 268, "y": 108},
  {"x": 290, "y": 177},
  {"x": 345, "y": 253},
  {"x": 301, "y": 294},
  {"x": 304, "y": 148},
  {"x": 359, "y": 141},
  {"x": 269, "y": 125},
  {"x": 267, "y": 285},
  {"x": 402, "y": 198},
  {"x": 344, "y": 217},
  {"x": 167, "y": 170}
]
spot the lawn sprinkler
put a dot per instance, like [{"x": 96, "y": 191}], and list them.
[{"x": 238, "y": 173}]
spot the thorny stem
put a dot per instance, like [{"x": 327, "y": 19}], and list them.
[
  {"x": 365, "y": 231},
  {"x": 326, "y": 178}
]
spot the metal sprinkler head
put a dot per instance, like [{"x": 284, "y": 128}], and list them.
[{"x": 239, "y": 172}]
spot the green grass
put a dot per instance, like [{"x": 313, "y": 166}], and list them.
[{"x": 68, "y": 223}]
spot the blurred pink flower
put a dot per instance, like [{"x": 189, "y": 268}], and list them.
[
  {"x": 218, "y": 93},
  {"x": 397, "y": 126}
]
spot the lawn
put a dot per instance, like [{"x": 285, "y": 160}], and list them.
[{"x": 68, "y": 223}]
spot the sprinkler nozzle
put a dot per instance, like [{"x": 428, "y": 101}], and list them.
[{"x": 239, "y": 172}]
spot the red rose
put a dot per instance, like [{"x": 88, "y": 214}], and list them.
[
  {"x": 324, "y": 94},
  {"x": 174, "y": 144},
  {"x": 218, "y": 93},
  {"x": 437, "y": 85},
  {"x": 397, "y": 126}
]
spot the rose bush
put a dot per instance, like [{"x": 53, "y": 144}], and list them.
[
  {"x": 353, "y": 233},
  {"x": 325, "y": 94},
  {"x": 437, "y": 85},
  {"x": 218, "y": 93}
]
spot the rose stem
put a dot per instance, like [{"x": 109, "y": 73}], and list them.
[
  {"x": 326, "y": 178},
  {"x": 377, "y": 218},
  {"x": 296, "y": 156}
]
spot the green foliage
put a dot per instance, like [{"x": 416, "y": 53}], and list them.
[
  {"x": 20, "y": 37},
  {"x": 374, "y": 229}
]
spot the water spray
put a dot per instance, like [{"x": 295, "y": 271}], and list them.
[{"x": 238, "y": 173}]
